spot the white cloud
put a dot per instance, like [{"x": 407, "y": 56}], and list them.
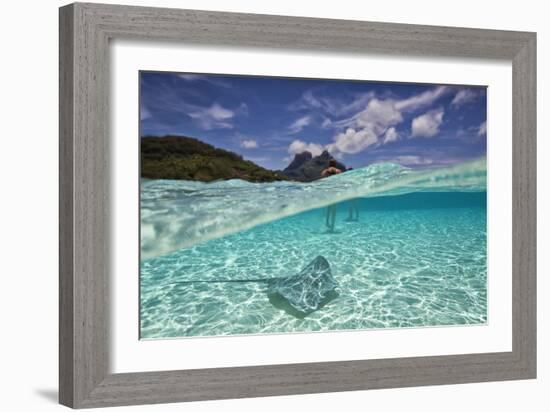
[
  {"x": 375, "y": 124},
  {"x": 214, "y": 80},
  {"x": 482, "y": 130},
  {"x": 373, "y": 121},
  {"x": 391, "y": 135},
  {"x": 380, "y": 112},
  {"x": 378, "y": 115},
  {"x": 352, "y": 141},
  {"x": 326, "y": 123},
  {"x": 242, "y": 109},
  {"x": 310, "y": 99},
  {"x": 331, "y": 106},
  {"x": 299, "y": 146},
  {"x": 360, "y": 101},
  {"x": 463, "y": 96},
  {"x": 249, "y": 144},
  {"x": 299, "y": 124},
  {"x": 219, "y": 113},
  {"x": 366, "y": 127},
  {"x": 190, "y": 77},
  {"x": 338, "y": 107},
  {"x": 427, "y": 125},
  {"x": 421, "y": 100},
  {"x": 213, "y": 117}
]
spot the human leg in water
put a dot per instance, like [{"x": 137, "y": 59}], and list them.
[
  {"x": 353, "y": 211},
  {"x": 331, "y": 217},
  {"x": 350, "y": 212}
]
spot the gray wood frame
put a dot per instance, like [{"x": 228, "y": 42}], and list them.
[{"x": 85, "y": 31}]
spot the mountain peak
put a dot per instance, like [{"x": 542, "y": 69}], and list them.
[
  {"x": 306, "y": 168},
  {"x": 299, "y": 160}
]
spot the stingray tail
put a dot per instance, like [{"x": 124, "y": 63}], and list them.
[{"x": 258, "y": 280}]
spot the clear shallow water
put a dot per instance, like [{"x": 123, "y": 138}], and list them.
[
  {"x": 414, "y": 259},
  {"x": 178, "y": 214}
]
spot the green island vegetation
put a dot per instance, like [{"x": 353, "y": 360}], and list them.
[
  {"x": 187, "y": 158},
  {"x": 180, "y": 157}
]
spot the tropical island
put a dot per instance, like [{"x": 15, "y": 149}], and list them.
[{"x": 187, "y": 158}]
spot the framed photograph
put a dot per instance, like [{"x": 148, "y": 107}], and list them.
[{"x": 257, "y": 205}]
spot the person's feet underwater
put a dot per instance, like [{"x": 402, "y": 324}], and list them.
[
  {"x": 332, "y": 169},
  {"x": 331, "y": 218}
]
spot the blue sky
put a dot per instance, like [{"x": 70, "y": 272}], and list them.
[{"x": 269, "y": 119}]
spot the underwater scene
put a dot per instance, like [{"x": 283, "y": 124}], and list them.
[
  {"x": 274, "y": 205},
  {"x": 407, "y": 249}
]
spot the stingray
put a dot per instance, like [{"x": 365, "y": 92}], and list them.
[
  {"x": 306, "y": 291},
  {"x": 298, "y": 294}
]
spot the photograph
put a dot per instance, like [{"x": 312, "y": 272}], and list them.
[{"x": 275, "y": 205}]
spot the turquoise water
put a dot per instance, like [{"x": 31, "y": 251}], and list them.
[{"x": 415, "y": 257}]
